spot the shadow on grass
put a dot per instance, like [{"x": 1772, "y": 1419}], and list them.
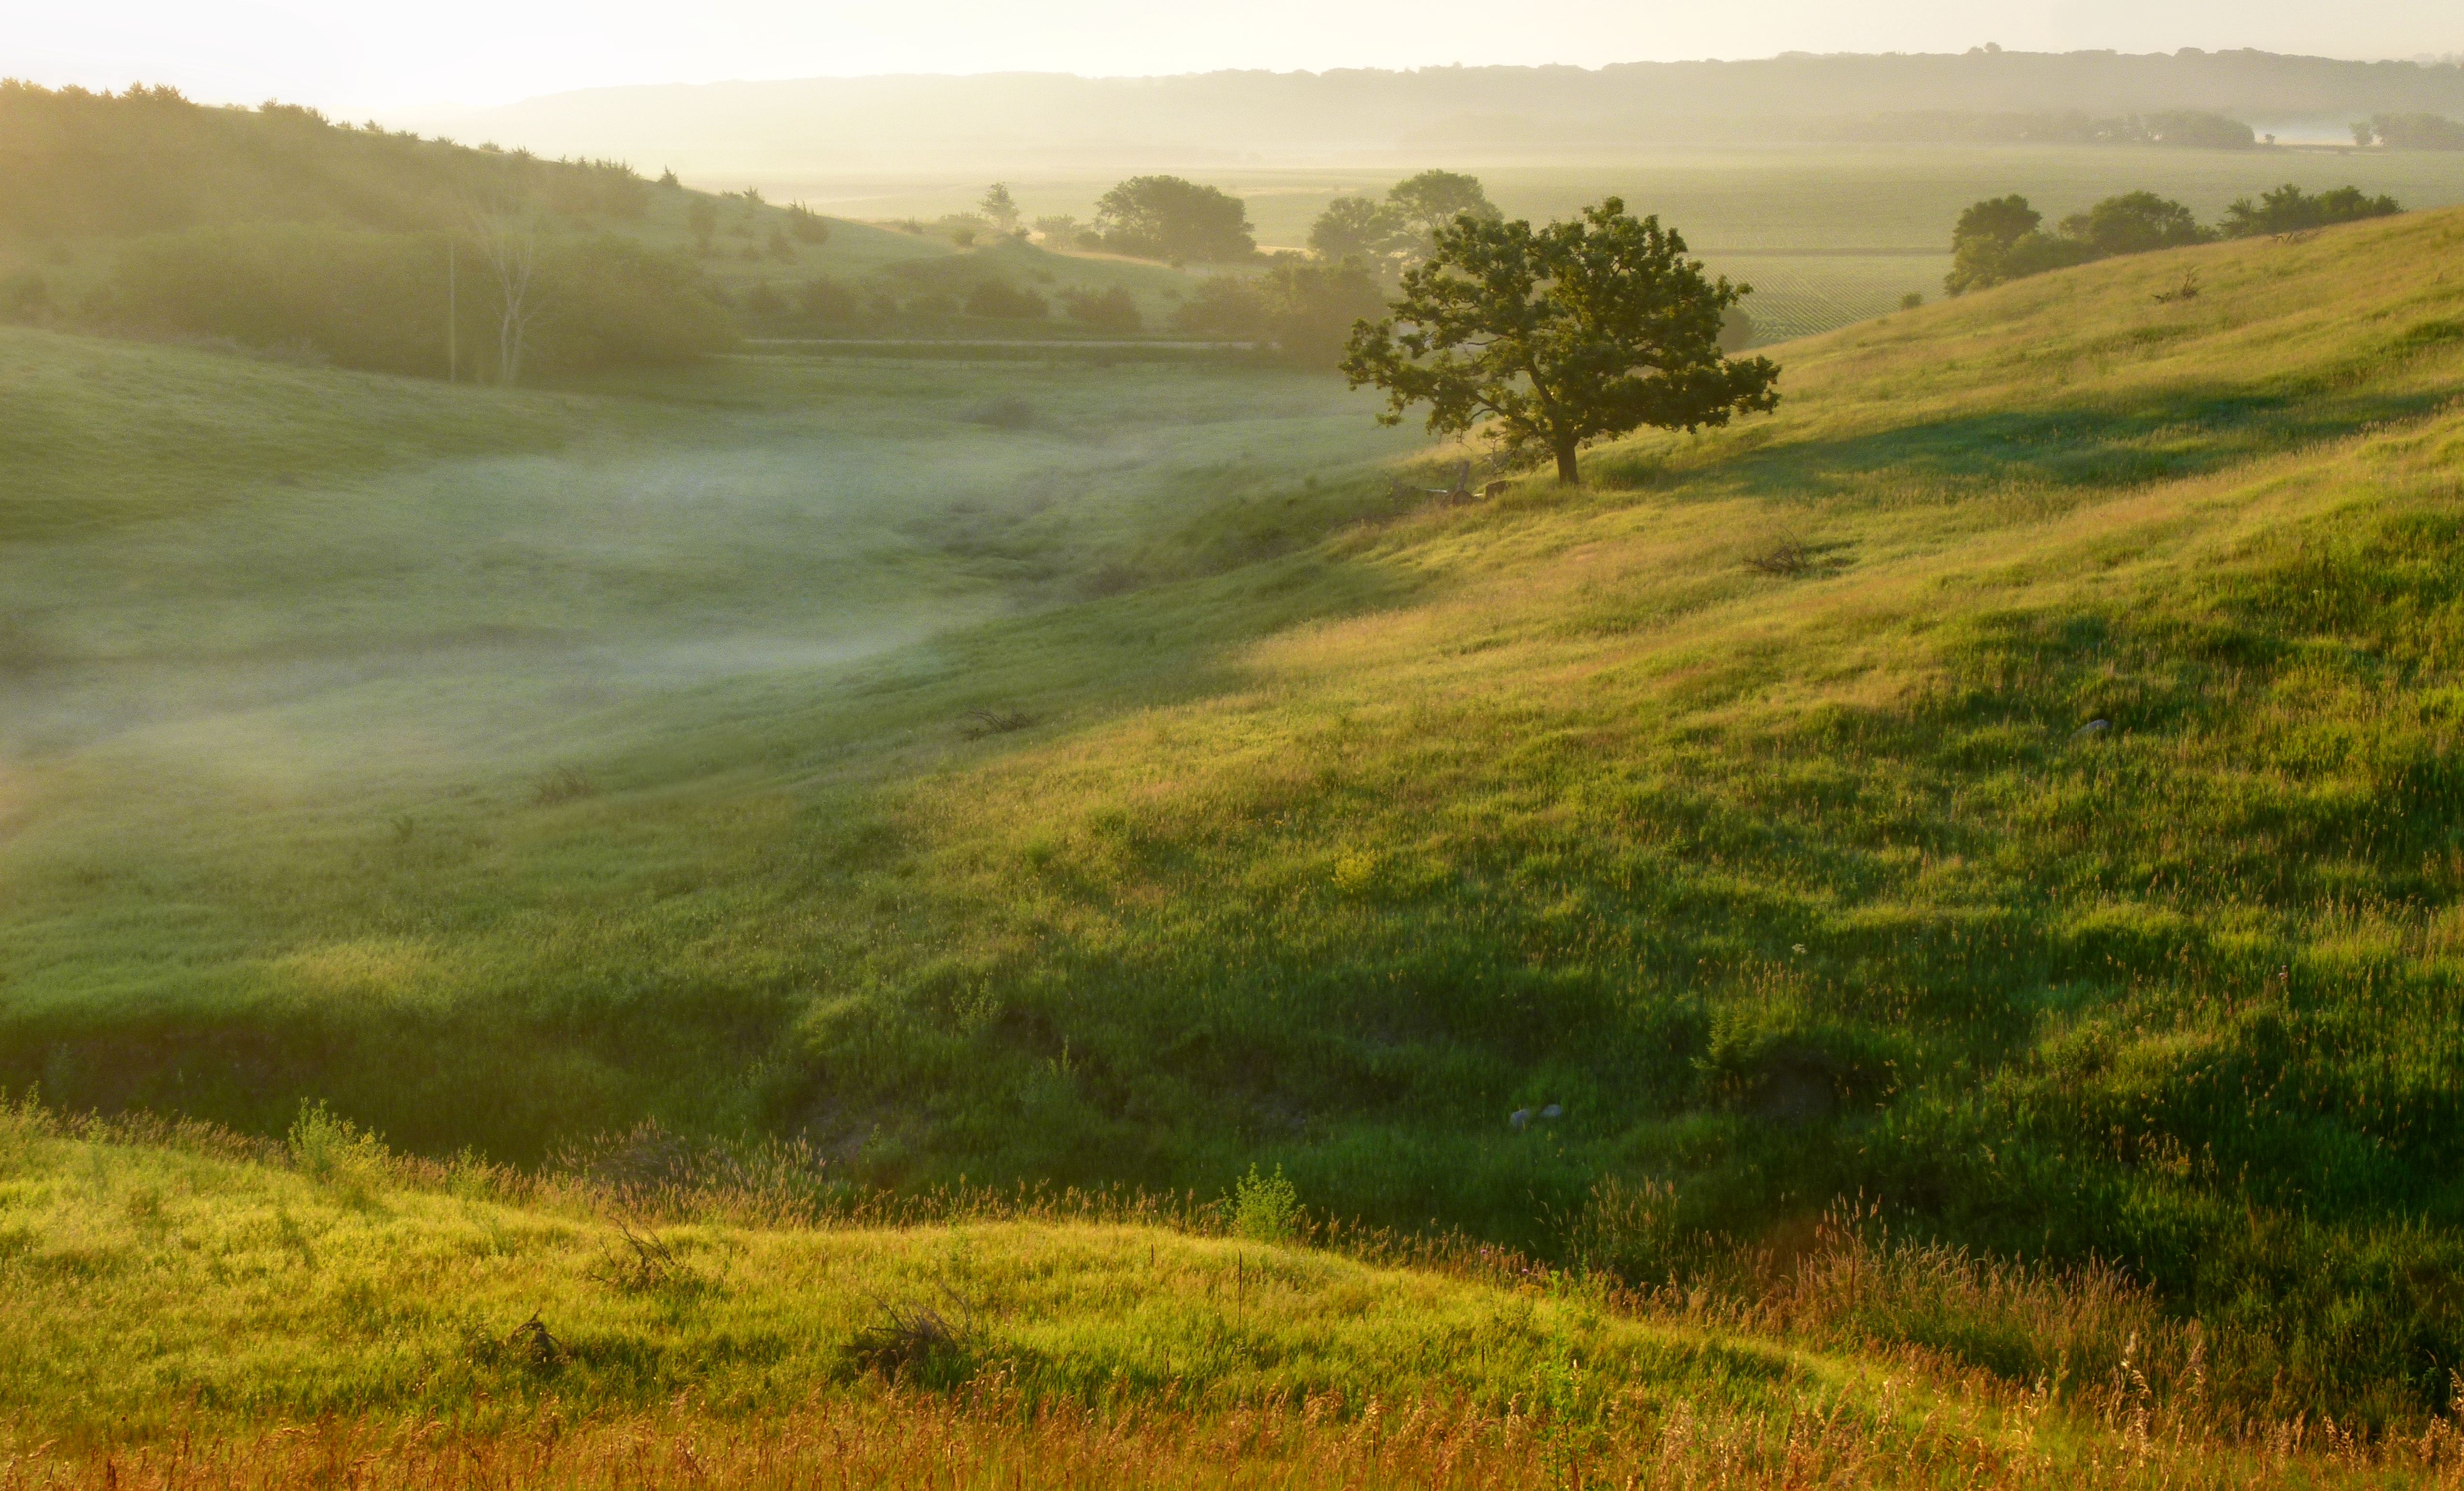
[{"x": 2073, "y": 447}]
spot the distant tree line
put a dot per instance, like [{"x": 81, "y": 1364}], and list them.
[
  {"x": 2001, "y": 239},
  {"x": 2181, "y": 128},
  {"x": 2410, "y": 132},
  {"x": 75, "y": 163},
  {"x": 277, "y": 228},
  {"x": 380, "y": 301}
]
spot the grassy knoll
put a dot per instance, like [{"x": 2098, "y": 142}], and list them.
[
  {"x": 190, "y": 1308},
  {"x": 1751, "y": 803}
]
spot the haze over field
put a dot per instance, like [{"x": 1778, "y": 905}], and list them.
[
  {"x": 392, "y": 55},
  {"x": 1096, "y": 746},
  {"x": 1485, "y": 115}
]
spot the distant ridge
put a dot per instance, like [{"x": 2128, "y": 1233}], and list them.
[{"x": 1496, "y": 111}]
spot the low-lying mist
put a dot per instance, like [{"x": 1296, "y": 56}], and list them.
[{"x": 700, "y": 554}]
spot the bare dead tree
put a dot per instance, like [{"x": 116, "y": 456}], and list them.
[{"x": 508, "y": 239}]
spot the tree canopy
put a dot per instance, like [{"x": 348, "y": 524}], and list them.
[
  {"x": 1400, "y": 227},
  {"x": 2410, "y": 132},
  {"x": 2289, "y": 209},
  {"x": 1164, "y": 217},
  {"x": 1351, "y": 227},
  {"x": 998, "y": 207},
  {"x": 1558, "y": 336},
  {"x": 2135, "y": 221},
  {"x": 1427, "y": 201},
  {"x": 1998, "y": 240}
]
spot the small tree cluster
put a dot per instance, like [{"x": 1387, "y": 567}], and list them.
[
  {"x": 1999, "y": 239},
  {"x": 806, "y": 225},
  {"x": 1306, "y": 311},
  {"x": 1164, "y": 217},
  {"x": 1110, "y": 309},
  {"x": 998, "y": 299},
  {"x": 2410, "y": 132},
  {"x": 2289, "y": 209},
  {"x": 1403, "y": 225}
]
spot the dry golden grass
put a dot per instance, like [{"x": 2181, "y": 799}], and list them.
[{"x": 990, "y": 1436}]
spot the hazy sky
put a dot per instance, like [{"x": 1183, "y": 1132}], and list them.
[{"x": 375, "y": 54}]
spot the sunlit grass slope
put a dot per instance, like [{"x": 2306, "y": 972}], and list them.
[
  {"x": 186, "y": 1308},
  {"x": 1784, "y": 886}
]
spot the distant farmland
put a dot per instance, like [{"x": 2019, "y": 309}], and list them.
[{"x": 1826, "y": 234}]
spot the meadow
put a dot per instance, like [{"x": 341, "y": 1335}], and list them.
[
  {"x": 2013, "y": 783},
  {"x": 189, "y": 1308}
]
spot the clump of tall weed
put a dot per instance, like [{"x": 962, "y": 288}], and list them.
[
  {"x": 339, "y": 1154},
  {"x": 23, "y": 1125}
]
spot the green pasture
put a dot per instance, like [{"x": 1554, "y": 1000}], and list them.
[
  {"x": 150, "y": 1287},
  {"x": 2016, "y": 781}
]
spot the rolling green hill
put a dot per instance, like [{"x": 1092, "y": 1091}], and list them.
[
  {"x": 277, "y": 228},
  {"x": 189, "y": 1308},
  {"x": 2015, "y": 782}
]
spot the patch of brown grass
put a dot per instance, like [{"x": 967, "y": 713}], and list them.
[{"x": 990, "y": 1436}]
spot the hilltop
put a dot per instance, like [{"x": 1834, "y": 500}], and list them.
[
  {"x": 143, "y": 212},
  {"x": 2015, "y": 782}
]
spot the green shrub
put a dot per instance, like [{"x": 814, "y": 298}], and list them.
[
  {"x": 1112, "y": 309},
  {"x": 2288, "y": 210},
  {"x": 1265, "y": 1208},
  {"x": 998, "y": 299},
  {"x": 339, "y": 1154}
]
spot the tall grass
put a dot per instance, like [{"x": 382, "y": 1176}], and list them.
[
  {"x": 988, "y": 1438},
  {"x": 1508, "y": 1374}
]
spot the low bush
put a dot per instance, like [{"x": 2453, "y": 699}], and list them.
[
  {"x": 1111, "y": 309},
  {"x": 998, "y": 299}
]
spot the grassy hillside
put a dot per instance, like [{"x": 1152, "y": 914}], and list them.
[
  {"x": 1303, "y": 826},
  {"x": 187, "y": 1308},
  {"x": 281, "y": 229}
]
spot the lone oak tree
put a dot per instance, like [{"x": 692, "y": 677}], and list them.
[{"x": 1559, "y": 335}]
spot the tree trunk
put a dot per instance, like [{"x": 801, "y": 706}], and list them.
[{"x": 1567, "y": 475}]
